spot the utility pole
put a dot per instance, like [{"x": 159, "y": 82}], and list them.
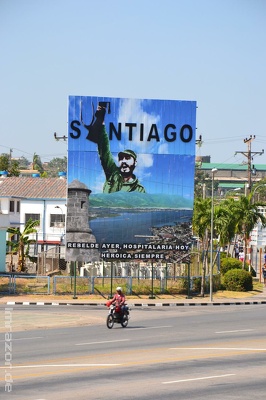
[{"x": 249, "y": 154}]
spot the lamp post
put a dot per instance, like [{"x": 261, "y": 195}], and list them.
[
  {"x": 214, "y": 170},
  {"x": 61, "y": 235},
  {"x": 263, "y": 184},
  {"x": 62, "y": 213},
  {"x": 233, "y": 190}
]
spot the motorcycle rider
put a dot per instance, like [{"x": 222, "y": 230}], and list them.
[{"x": 119, "y": 299}]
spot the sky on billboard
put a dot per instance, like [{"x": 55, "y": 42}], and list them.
[{"x": 165, "y": 163}]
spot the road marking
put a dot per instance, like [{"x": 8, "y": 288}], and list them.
[
  {"x": 106, "y": 341},
  {"x": 61, "y": 365},
  {"x": 199, "y": 379},
  {"x": 237, "y": 331},
  {"x": 25, "y": 338},
  {"x": 217, "y": 348}
]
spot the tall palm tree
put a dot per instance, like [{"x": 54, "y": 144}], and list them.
[
  {"x": 201, "y": 224},
  {"x": 37, "y": 163},
  {"x": 225, "y": 222},
  {"x": 231, "y": 217},
  {"x": 22, "y": 245},
  {"x": 247, "y": 215}
]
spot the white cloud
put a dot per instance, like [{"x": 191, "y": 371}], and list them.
[{"x": 131, "y": 111}]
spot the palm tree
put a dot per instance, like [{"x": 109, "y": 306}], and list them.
[
  {"x": 37, "y": 163},
  {"x": 225, "y": 222},
  {"x": 247, "y": 215},
  {"x": 201, "y": 224},
  {"x": 22, "y": 245},
  {"x": 231, "y": 217}
]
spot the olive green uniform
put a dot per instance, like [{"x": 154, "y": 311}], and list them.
[{"x": 114, "y": 180}]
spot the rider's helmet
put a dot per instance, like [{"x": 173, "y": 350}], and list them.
[{"x": 119, "y": 289}]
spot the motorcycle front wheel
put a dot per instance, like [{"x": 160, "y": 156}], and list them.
[
  {"x": 110, "y": 321},
  {"x": 124, "y": 321}
]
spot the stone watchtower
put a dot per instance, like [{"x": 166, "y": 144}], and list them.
[{"x": 80, "y": 242}]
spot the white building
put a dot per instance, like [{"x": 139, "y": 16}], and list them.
[
  {"x": 258, "y": 233},
  {"x": 42, "y": 199}
]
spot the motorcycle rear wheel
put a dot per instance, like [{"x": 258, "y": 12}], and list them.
[
  {"x": 110, "y": 321},
  {"x": 124, "y": 321}
]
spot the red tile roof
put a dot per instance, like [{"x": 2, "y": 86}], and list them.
[{"x": 37, "y": 188}]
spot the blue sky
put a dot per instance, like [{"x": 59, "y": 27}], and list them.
[{"x": 209, "y": 51}]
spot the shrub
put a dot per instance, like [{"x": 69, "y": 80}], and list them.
[
  {"x": 238, "y": 280},
  {"x": 197, "y": 284},
  {"x": 223, "y": 254},
  {"x": 229, "y": 263}
]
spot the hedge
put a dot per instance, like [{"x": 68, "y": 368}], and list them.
[{"x": 238, "y": 280}]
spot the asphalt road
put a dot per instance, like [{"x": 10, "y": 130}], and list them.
[{"x": 189, "y": 353}]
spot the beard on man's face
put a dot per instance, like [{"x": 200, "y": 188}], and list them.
[{"x": 126, "y": 170}]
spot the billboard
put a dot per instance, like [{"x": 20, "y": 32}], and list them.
[{"x": 133, "y": 160}]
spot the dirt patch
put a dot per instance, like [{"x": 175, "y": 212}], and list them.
[{"x": 24, "y": 320}]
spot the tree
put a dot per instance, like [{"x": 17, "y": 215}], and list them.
[
  {"x": 14, "y": 168},
  {"x": 23, "y": 162},
  {"x": 229, "y": 218},
  {"x": 201, "y": 224},
  {"x": 22, "y": 244},
  {"x": 247, "y": 214},
  {"x": 225, "y": 222},
  {"x": 4, "y": 162},
  {"x": 203, "y": 183},
  {"x": 37, "y": 163},
  {"x": 56, "y": 165},
  {"x": 11, "y": 166}
]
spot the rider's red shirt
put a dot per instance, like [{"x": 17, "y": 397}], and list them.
[{"x": 119, "y": 299}]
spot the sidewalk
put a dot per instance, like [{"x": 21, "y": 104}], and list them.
[{"x": 143, "y": 301}]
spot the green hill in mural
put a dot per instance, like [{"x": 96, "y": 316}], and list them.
[{"x": 139, "y": 200}]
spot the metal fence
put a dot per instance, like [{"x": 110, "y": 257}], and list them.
[
  {"x": 24, "y": 284},
  {"x": 6, "y": 284},
  {"x": 100, "y": 285},
  {"x": 51, "y": 260},
  {"x": 67, "y": 284}
]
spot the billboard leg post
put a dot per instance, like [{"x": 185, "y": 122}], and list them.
[
  {"x": 188, "y": 282},
  {"x": 111, "y": 294},
  {"x": 152, "y": 292},
  {"x": 75, "y": 281}
]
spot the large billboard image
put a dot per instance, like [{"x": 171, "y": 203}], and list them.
[{"x": 131, "y": 169}]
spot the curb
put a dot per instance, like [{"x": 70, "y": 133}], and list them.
[{"x": 231, "y": 303}]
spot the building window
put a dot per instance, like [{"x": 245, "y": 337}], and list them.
[
  {"x": 18, "y": 206},
  {"x": 33, "y": 217},
  {"x": 57, "y": 220},
  {"x": 11, "y": 206}
]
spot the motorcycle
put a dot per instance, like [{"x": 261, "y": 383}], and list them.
[{"x": 116, "y": 315}]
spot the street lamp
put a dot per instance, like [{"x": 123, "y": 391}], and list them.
[
  {"x": 233, "y": 190},
  {"x": 263, "y": 184},
  {"x": 61, "y": 212},
  {"x": 61, "y": 237},
  {"x": 214, "y": 170}
]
